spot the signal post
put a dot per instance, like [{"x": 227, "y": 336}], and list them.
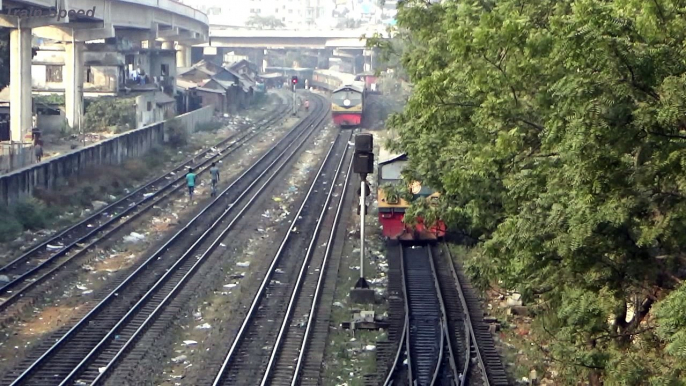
[
  {"x": 363, "y": 164},
  {"x": 294, "y": 82}
]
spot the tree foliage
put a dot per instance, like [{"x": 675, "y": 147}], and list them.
[
  {"x": 106, "y": 113},
  {"x": 265, "y": 22},
  {"x": 556, "y": 131}
]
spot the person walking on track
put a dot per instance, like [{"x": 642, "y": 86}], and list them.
[
  {"x": 214, "y": 171},
  {"x": 307, "y": 105},
  {"x": 190, "y": 181}
]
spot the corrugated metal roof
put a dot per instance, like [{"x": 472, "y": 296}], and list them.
[{"x": 162, "y": 98}]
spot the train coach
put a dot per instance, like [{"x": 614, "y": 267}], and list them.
[
  {"x": 371, "y": 82},
  {"x": 392, "y": 206}
]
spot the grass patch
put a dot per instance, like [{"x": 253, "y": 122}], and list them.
[
  {"x": 62, "y": 205},
  {"x": 209, "y": 126}
]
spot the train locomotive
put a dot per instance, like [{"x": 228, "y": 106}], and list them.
[
  {"x": 348, "y": 96},
  {"x": 392, "y": 209},
  {"x": 347, "y": 105}
]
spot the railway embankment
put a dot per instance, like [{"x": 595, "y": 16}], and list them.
[
  {"x": 114, "y": 151},
  {"x": 36, "y": 201}
]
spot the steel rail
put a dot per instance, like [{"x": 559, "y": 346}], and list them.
[
  {"x": 320, "y": 280},
  {"x": 471, "y": 337},
  {"x": 104, "y": 372},
  {"x": 398, "y": 355},
  {"x": 441, "y": 302},
  {"x": 155, "y": 255},
  {"x": 408, "y": 343},
  {"x": 152, "y": 200},
  {"x": 183, "y": 164},
  {"x": 267, "y": 278},
  {"x": 295, "y": 296}
]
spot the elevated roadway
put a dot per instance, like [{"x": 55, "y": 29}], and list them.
[
  {"x": 74, "y": 22},
  {"x": 277, "y": 39}
]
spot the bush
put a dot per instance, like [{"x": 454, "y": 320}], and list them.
[
  {"x": 209, "y": 126},
  {"x": 178, "y": 136},
  {"x": 31, "y": 213},
  {"x": 9, "y": 226},
  {"x": 103, "y": 113}
]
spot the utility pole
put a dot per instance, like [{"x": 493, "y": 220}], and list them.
[{"x": 363, "y": 164}]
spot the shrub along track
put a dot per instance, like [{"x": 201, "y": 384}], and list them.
[
  {"x": 41, "y": 263},
  {"x": 444, "y": 340},
  {"x": 270, "y": 338},
  {"x": 110, "y": 328}
]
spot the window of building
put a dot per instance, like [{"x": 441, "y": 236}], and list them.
[
  {"x": 53, "y": 74},
  {"x": 149, "y": 106},
  {"x": 88, "y": 77}
]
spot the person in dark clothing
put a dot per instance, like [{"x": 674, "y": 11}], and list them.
[
  {"x": 38, "y": 149},
  {"x": 214, "y": 171}
]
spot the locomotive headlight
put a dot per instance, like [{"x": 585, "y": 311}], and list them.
[{"x": 346, "y": 102}]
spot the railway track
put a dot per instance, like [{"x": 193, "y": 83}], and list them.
[
  {"x": 444, "y": 341},
  {"x": 266, "y": 349},
  {"x": 41, "y": 262},
  {"x": 91, "y": 349},
  {"x": 483, "y": 365}
]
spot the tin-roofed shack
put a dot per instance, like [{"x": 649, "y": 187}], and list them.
[{"x": 207, "y": 83}]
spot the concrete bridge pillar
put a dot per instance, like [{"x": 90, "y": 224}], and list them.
[
  {"x": 323, "y": 59},
  {"x": 259, "y": 57},
  {"x": 20, "y": 83},
  {"x": 183, "y": 56},
  {"x": 73, "y": 82},
  {"x": 370, "y": 60}
]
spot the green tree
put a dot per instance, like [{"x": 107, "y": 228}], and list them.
[
  {"x": 556, "y": 132},
  {"x": 106, "y": 113}
]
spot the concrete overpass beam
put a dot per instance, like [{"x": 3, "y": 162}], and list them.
[
  {"x": 73, "y": 82},
  {"x": 64, "y": 33},
  {"x": 137, "y": 35},
  {"x": 168, "y": 33},
  {"x": 20, "y": 84},
  {"x": 11, "y": 21}
]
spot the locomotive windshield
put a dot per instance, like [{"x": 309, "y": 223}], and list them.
[{"x": 355, "y": 98}]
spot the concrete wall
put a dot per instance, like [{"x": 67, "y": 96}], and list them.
[
  {"x": 105, "y": 79},
  {"x": 50, "y": 122},
  {"x": 113, "y": 151},
  {"x": 14, "y": 156},
  {"x": 196, "y": 117}
]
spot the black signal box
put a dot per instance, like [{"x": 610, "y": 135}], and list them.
[
  {"x": 294, "y": 79},
  {"x": 364, "y": 143},
  {"x": 363, "y": 163}
]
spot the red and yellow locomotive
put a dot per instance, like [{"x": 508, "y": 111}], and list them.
[{"x": 392, "y": 207}]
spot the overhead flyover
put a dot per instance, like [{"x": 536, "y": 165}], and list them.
[
  {"x": 279, "y": 39},
  {"x": 74, "y": 22}
]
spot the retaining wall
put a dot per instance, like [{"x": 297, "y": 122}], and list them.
[
  {"x": 113, "y": 151},
  {"x": 196, "y": 117},
  {"x": 16, "y": 155}
]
